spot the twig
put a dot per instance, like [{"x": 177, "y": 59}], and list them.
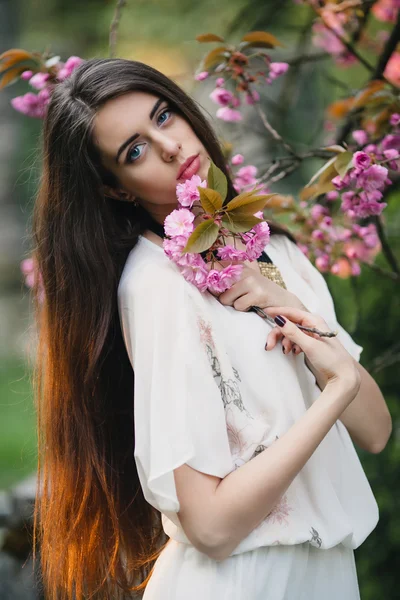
[
  {"x": 263, "y": 315},
  {"x": 273, "y": 131},
  {"x": 298, "y": 60},
  {"x": 383, "y": 272},
  {"x": 114, "y": 27},
  {"x": 386, "y": 359},
  {"x": 277, "y": 163},
  {"x": 386, "y": 249},
  {"x": 388, "y": 50}
]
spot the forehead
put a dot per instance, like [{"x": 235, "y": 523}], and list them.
[{"x": 121, "y": 117}]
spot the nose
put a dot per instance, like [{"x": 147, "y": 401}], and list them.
[{"x": 169, "y": 148}]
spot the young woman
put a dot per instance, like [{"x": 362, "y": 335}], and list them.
[{"x": 160, "y": 409}]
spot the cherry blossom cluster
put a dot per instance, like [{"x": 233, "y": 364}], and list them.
[
  {"x": 229, "y": 101},
  {"x": 335, "y": 247},
  {"x": 35, "y": 105},
  {"x": 334, "y": 26},
  {"x": 31, "y": 275},
  {"x": 362, "y": 186},
  {"x": 179, "y": 225}
]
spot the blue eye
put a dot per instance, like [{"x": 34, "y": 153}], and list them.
[
  {"x": 134, "y": 153},
  {"x": 163, "y": 114}
]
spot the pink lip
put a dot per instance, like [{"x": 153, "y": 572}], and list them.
[{"x": 189, "y": 167}]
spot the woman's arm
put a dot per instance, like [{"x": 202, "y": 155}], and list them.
[
  {"x": 217, "y": 521},
  {"x": 368, "y": 419}
]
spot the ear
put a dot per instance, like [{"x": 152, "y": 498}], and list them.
[{"x": 118, "y": 194}]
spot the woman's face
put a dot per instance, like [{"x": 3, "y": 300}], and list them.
[{"x": 144, "y": 144}]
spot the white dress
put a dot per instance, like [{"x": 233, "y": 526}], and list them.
[{"x": 209, "y": 395}]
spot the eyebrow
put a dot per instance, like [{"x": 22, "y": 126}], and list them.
[{"x": 136, "y": 135}]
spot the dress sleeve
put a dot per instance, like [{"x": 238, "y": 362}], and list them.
[
  {"x": 324, "y": 303},
  {"x": 178, "y": 410}
]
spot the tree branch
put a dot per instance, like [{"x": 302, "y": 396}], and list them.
[
  {"x": 114, "y": 27},
  {"x": 388, "y": 50},
  {"x": 386, "y": 249}
]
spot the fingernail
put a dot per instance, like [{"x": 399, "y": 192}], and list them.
[
  {"x": 266, "y": 346},
  {"x": 280, "y": 321},
  {"x": 294, "y": 350},
  {"x": 283, "y": 349}
]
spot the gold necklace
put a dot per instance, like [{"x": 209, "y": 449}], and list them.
[{"x": 272, "y": 272}]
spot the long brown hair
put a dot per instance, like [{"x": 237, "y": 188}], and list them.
[{"x": 97, "y": 535}]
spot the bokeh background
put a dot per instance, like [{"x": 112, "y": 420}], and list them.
[{"x": 162, "y": 33}]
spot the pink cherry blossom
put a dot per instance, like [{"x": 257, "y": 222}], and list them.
[
  {"x": 276, "y": 69},
  {"x": 173, "y": 247},
  {"x": 229, "y": 114},
  {"x": 360, "y": 137},
  {"x": 361, "y": 160},
  {"x": 391, "y": 141},
  {"x": 246, "y": 176},
  {"x": 221, "y": 96},
  {"x": 201, "y": 76},
  {"x": 322, "y": 263},
  {"x": 318, "y": 211},
  {"x": 30, "y": 104},
  {"x": 25, "y": 75},
  {"x": 39, "y": 80},
  {"x": 27, "y": 265},
  {"x": 219, "y": 81},
  {"x": 187, "y": 191},
  {"x": 392, "y": 70},
  {"x": 395, "y": 119},
  {"x": 391, "y": 153},
  {"x": 386, "y": 10},
  {"x": 229, "y": 252},
  {"x": 214, "y": 282},
  {"x": 70, "y": 65},
  {"x": 237, "y": 159},
  {"x": 332, "y": 196},
  {"x": 373, "y": 178},
  {"x": 338, "y": 182},
  {"x": 327, "y": 40},
  {"x": 262, "y": 232},
  {"x": 230, "y": 275},
  {"x": 179, "y": 222},
  {"x": 196, "y": 273},
  {"x": 253, "y": 97}
]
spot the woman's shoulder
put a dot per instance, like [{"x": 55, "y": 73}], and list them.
[{"x": 148, "y": 271}]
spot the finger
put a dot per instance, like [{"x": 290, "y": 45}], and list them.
[
  {"x": 296, "y": 315},
  {"x": 293, "y": 333},
  {"x": 286, "y": 345},
  {"x": 296, "y": 349},
  {"x": 273, "y": 338}
]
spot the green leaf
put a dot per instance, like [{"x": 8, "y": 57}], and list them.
[
  {"x": 262, "y": 39},
  {"x": 217, "y": 180},
  {"x": 248, "y": 202},
  {"x": 343, "y": 163},
  {"x": 239, "y": 222},
  {"x": 209, "y": 37},
  {"x": 214, "y": 57},
  {"x": 210, "y": 200},
  {"x": 202, "y": 237},
  {"x": 313, "y": 191},
  {"x": 326, "y": 172}
]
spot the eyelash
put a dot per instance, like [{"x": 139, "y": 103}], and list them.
[{"x": 128, "y": 159}]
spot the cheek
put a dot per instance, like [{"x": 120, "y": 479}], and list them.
[{"x": 150, "y": 182}]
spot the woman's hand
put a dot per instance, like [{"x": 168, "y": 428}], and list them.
[
  {"x": 327, "y": 358},
  {"x": 254, "y": 289}
]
